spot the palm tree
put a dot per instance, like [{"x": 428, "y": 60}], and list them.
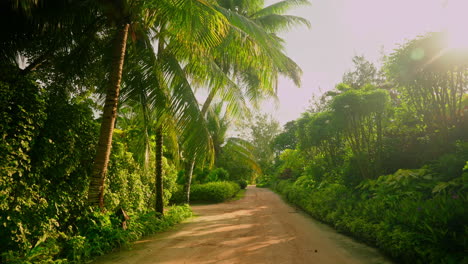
[
  {"x": 145, "y": 17},
  {"x": 219, "y": 122},
  {"x": 248, "y": 61},
  {"x": 156, "y": 83}
]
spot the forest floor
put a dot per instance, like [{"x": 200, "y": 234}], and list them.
[{"x": 260, "y": 228}]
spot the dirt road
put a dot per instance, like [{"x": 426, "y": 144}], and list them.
[{"x": 260, "y": 228}]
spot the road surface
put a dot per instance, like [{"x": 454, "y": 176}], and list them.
[{"x": 260, "y": 228}]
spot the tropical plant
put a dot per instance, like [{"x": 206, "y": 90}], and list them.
[
  {"x": 431, "y": 78},
  {"x": 145, "y": 17}
]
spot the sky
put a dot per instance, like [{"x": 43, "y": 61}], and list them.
[{"x": 341, "y": 29}]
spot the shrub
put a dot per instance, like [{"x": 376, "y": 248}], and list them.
[
  {"x": 242, "y": 183},
  {"x": 214, "y": 191},
  {"x": 178, "y": 196},
  {"x": 218, "y": 174},
  {"x": 264, "y": 180},
  {"x": 397, "y": 213},
  {"x": 99, "y": 233}
]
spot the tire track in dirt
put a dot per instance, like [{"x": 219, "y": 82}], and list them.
[{"x": 260, "y": 228}]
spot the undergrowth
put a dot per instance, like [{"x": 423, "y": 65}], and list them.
[
  {"x": 97, "y": 233},
  {"x": 405, "y": 214}
]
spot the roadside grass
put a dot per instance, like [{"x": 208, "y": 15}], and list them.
[{"x": 240, "y": 195}]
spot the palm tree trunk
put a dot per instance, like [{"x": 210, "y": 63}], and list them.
[
  {"x": 190, "y": 164},
  {"x": 188, "y": 173},
  {"x": 208, "y": 101},
  {"x": 98, "y": 176},
  {"x": 159, "y": 172}
]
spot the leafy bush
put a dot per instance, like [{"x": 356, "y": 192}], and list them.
[
  {"x": 131, "y": 186},
  {"x": 46, "y": 160},
  {"x": 242, "y": 183},
  {"x": 214, "y": 191},
  {"x": 98, "y": 234},
  {"x": 178, "y": 196},
  {"x": 264, "y": 181},
  {"x": 398, "y": 213},
  {"x": 218, "y": 174}
]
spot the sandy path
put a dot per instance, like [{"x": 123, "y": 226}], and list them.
[{"x": 260, "y": 228}]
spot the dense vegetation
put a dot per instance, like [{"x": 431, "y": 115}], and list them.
[
  {"x": 100, "y": 129},
  {"x": 384, "y": 156},
  {"x": 99, "y": 123}
]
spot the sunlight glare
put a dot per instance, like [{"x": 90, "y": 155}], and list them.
[{"x": 456, "y": 21}]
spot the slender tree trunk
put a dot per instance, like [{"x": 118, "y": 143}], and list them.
[
  {"x": 159, "y": 172},
  {"x": 188, "y": 173},
  {"x": 98, "y": 177},
  {"x": 208, "y": 101},
  {"x": 190, "y": 164}
]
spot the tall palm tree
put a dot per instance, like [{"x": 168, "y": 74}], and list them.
[
  {"x": 250, "y": 58},
  {"x": 143, "y": 17},
  {"x": 156, "y": 83},
  {"x": 194, "y": 22}
]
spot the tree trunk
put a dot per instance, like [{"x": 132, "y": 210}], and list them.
[
  {"x": 190, "y": 164},
  {"x": 159, "y": 172},
  {"x": 188, "y": 173},
  {"x": 208, "y": 101},
  {"x": 98, "y": 176}
]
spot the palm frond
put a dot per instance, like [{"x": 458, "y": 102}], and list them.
[
  {"x": 194, "y": 134},
  {"x": 279, "y": 8},
  {"x": 275, "y": 23},
  {"x": 244, "y": 152}
]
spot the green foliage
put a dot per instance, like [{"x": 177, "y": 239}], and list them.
[
  {"x": 211, "y": 192},
  {"x": 286, "y": 139},
  {"x": 21, "y": 114},
  {"x": 236, "y": 166},
  {"x": 362, "y": 116},
  {"x": 399, "y": 213},
  {"x": 242, "y": 183},
  {"x": 218, "y": 174},
  {"x": 403, "y": 127},
  {"x": 292, "y": 163},
  {"x": 199, "y": 175},
  {"x": 214, "y": 191},
  {"x": 432, "y": 85},
  {"x": 47, "y": 123},
  {"x": 264, "y": 180},
  {"x": 364, "y": 73},
  {"x": 261, "y": 131},
  {"x": 98, "y": 234},
  {"x": 129, "y": 185},
  {"x": 50, "y": 141}
]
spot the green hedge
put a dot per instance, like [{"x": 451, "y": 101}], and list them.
[
  {"x": 212, "y": 192},
  {"x": 98, "y": 234},
  {"x": 408, "y": 225}
]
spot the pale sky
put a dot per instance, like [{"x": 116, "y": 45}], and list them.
[{"x": 344, "y": 28}]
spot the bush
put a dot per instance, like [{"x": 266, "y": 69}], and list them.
[
  {"x": 99, "y": 234},
  {"x": 264, "y": 181},
  {"x": 178, "y": 196},
  {"x": 218, "y": 174},
  {"x": 242, "y": 183},
  {"x": 397, "y": 213},
  {"x": 214, "y": 191}
]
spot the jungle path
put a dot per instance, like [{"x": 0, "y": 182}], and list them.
[{"x": 260, "y": 228}]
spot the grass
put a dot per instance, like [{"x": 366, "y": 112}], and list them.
[{"x": 239, "y": 195}]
